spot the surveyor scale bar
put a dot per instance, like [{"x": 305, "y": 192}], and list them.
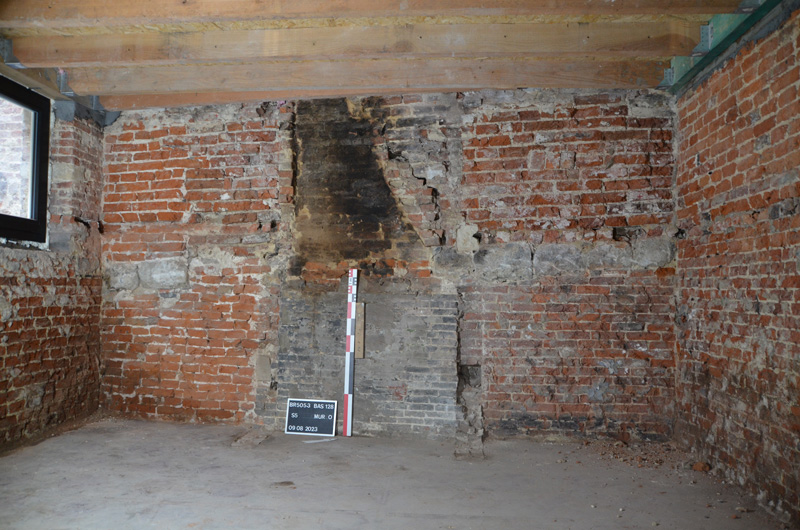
[{"x": 349, "y": 356}]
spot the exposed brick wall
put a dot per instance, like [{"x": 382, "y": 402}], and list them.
[
  {"x": 738, "y": 190},
  {"x": 561, "y": 198},
  {"x": 405, "y": 385},
  {"x": 578, "y": 354},
  {"x": 567, "y": 169},
  {"x": 192, "y": 218},
  {"x": 569, "y": 309},
  {"x": 50, "y": 299}
]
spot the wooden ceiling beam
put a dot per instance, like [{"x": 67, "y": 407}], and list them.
[
  {"x": 366, "y": 76},
  {"x": 421, "y": 40},
  {"x": 41, "y": 80},
  {"x": 186, "y": 99},
  {"x": 77, "y": 13}
]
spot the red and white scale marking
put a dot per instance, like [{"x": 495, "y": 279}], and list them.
[{"x": 350, "y": 351}]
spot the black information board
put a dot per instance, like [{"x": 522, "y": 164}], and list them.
[{"x": 314, "y": 417}]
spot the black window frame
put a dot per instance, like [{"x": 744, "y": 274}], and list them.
[{"x": 34, "y": 229}]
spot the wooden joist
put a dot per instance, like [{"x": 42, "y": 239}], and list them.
[
  {"x": 458, "y": 40},
  {"x": 41, "y": 80},
  {"x": 77, "y": 13},
  {"x": 364, "y": 76},
  {"x": 186, "y": 99},
  {"x": 179, "y": 52}
]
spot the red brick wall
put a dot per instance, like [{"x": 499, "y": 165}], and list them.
[
  {"x": 569, "y": 171},
  {"x": 191, "y": 213},
  {"x": 50, "y": 299},
  {"x": 738, "y": 189},
  {"x": 584, "y": 344},
  {"x": 584, "y": 355},
  {"x": 566, "y": 287}
]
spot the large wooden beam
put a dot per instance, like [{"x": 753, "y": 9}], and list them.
[
  {"x": 431, "y": 40},
  {"x": 185, "y": 99},
  {"x": 43, "y": 81},
  {"x": 77, "y": 13},
  {"x": 365, "y": 76}
]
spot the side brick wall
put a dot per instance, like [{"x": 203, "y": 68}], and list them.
[
  {"x": 738, "y": 320},
  {"x": 50, "y": 365}
]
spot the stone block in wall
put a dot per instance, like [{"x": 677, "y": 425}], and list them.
[
  {"x": 121, "y": 276},
  {"x": 503, "y": 263},
  {"x": 165, "y": 273},
  {"x": 647, "y": 253}
]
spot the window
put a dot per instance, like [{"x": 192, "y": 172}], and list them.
[{"x": 24, "y": 149}]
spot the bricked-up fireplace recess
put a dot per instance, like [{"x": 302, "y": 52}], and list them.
[{"x": 346, "y": 216}]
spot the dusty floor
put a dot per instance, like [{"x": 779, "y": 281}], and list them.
[{"x": 128, "y": 474}]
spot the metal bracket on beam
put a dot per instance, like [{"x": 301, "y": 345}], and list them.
[
  {"x": 669, "y": 79},
  {"x": 7, "y": 54},
  {"x": 85, "y": 107},
  {"x": 99, "y": 113},
  {"x": 63, "y": 83},
  {"x": 755, "y": 19},
  {"x": 706, "y": 41}
]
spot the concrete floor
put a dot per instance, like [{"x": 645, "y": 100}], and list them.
[{"x": 129, "y": 474}]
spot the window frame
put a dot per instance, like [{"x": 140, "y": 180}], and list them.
[{"x": 19, "y": 228}]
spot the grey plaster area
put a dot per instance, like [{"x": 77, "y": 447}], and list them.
[{"x": 131, "y": 474}]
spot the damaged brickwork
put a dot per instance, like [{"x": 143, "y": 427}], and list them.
[
  {"x": 50, "y": 295},
  {"x": 738, "y": 317},
  {"x": 346, "y": 215},
  {"x": 191, "y": 253},
  {"x": 541, "y": 219},
  {"x": 565, "y": 261}
]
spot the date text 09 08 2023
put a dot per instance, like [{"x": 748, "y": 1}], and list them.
[{"x": 311, "y": 417}]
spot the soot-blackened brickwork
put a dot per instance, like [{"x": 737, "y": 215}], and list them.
[
  {"x": 344, "y": 209},
  {"x": 346, "y": 215}
]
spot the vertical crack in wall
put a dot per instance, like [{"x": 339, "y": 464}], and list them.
[
  {"x": 420, "y": 154},
  {"x": 469, "y": 400},
  {"x": 425, "y": 207}
]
